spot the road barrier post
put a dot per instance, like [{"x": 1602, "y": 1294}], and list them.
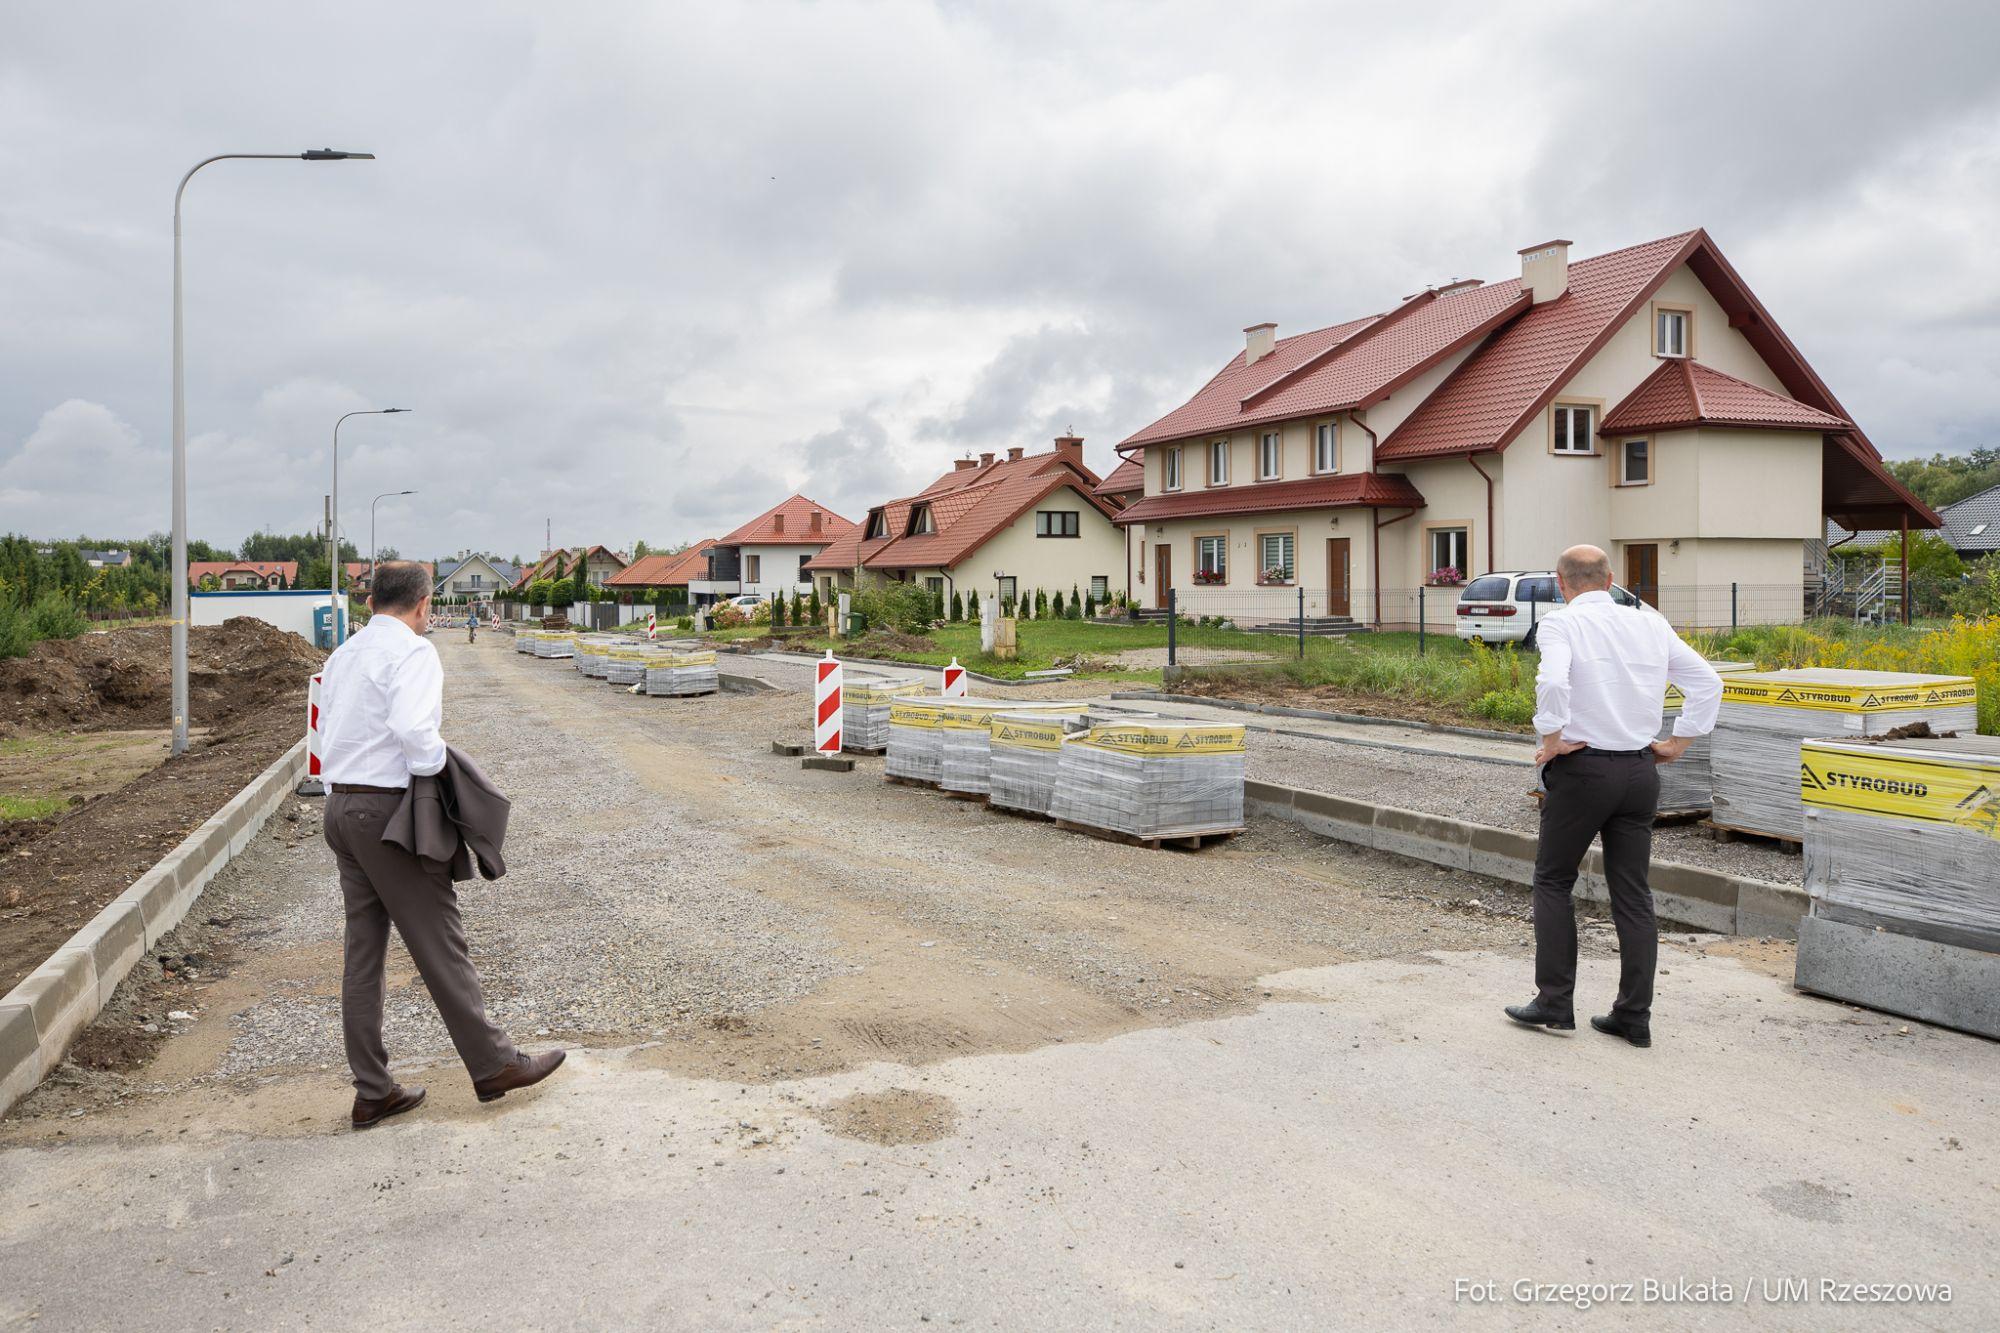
[
  {"x": 952, "y": 681},
  {"x": 312, "y": 786},
  {"x": 652, "y": 624},
  {"x": 826, "y": 706}
]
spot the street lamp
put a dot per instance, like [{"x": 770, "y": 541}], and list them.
[
  {"x": 180, "y": 588},
  {"x": 333, "y": 520},
  {"x": 371, "y": 533}
]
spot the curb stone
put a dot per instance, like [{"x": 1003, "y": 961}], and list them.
[
  {"x": 1682, "y": 894},
  {"x": 44, "y": 1013}
]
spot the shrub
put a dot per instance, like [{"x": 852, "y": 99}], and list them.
[
  {"x": 1979, "y": 594},
  {"x": 972, "y": 605},
  {"x": 813, "y": 611},
  {"x": 778, "y": 611},
  {"x": 1042, "y": 603},
  {"x": 17, "y": 636},
  {"x": 1516, "y": 707},
  {"x": 906, "y": 607},
  {"x": 1056, "y": 607},
  {"x": 958, "y": 608},
  {"x": 55, "y": 616}
]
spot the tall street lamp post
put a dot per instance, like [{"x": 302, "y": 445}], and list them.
[
  {"x": 333, "y": 523},
  {"x": 371, "y": 533},
  {"x": 180, "y": 589}
]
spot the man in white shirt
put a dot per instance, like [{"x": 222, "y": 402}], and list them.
[
  {"x": 1599, "y": 697},
  {"x": 381, "y": 703}
]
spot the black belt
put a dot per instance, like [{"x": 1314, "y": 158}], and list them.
[
  {"x": 1615, "y": 754},
  {"x": 362, "y": 789}
]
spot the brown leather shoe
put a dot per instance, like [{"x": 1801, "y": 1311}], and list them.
[
  {"x": 372, "y": 1110},
  {"x": 525, "y": 1072}
]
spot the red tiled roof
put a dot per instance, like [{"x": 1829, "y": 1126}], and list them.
[
  {"x": 200, "y": 569},
  {"x": 969, "y": 506},
  {"x": 1486, "y": 401},
  {"x": 663, "y": 570},
  {"x": 797, "y": 512},
  {"x": 1683, "y": 393},
  {"x": 1128, "y": 478},
  {"x": 1387, "y": 489}
]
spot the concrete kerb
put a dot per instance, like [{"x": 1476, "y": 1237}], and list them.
[
  {"x": 979, "y": 676},
  {"x": 1682, "y": 894},
  {"x": 1323, "y": 715},
  {"x": 42, "y": 1015}
]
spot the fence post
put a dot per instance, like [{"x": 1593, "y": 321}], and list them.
[
  {"x": 1173, "y": 622},
  {"x": 1302, "y": 620},
  {"x": 1420, "y": 620},
  {"x": 1732, "y": 607}
]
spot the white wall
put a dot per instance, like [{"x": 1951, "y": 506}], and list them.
[
  {"x": 290, "y": 610},
  {"x": 778, "y": 568},
  {"x": 1049, "y": 563}
]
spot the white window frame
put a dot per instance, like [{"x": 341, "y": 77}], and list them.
[
  {"x": 1459, "y": 537},
  {"x": 1218, "y": 462},
  {"x": 1170, "y": 469},
  {"x": 1221, "y": 551},
  {"x": 1563, "y": 434},
  {"x": 1683, "y": 325},
  {"x": 1625, "y": 477},
  {"x": 1326, "y": 448},
  {"x": 1100, "y": 588},
  {"x": 1270, "y": 455},
  {"x": 1290, "y": 548}
]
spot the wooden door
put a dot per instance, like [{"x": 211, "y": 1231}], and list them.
[
  {"x": 1163, "y": 573},
  {"x": 1642, "y": 572},
  {"x": 1339, "y": 575}
]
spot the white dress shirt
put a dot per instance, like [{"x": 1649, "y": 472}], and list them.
[
  {"x": 1604, "y": 673},
  {"x": 381, "y": 700}
]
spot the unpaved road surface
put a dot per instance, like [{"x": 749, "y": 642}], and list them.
[{"x": 856, "y": 1055}]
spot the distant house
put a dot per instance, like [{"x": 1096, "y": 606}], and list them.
[
  {"x": 1971, "y": 527},
  {"x": 234, "y": 575},
  {"x": 652, "y": 575},
  {"x": 601, "y": 563},
  {"x": 769, "y": 554},
  {"x": 475, "y": 576},
  {"x": 1001, "y": 527},
  {"x": 106, "y": 559}
]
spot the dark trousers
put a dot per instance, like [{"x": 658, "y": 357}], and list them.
[
  {"x": 1590, "y": 794},
  {"x": 383, "y": 884}
]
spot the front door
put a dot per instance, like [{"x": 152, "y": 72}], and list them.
[
  {"x": 1339, "y": 572},
  {"x": 1163, "y": 573},
  {"x": 1642, "y": 572}
]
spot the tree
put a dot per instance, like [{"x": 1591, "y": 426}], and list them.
[
  {"x": 778, "y": 611},
  {"x": 937, "y": 603},
  {"x": 579, "y": 578},
  {"x": 813, "y": 608},
  {"x": 1056, "y": 607},
  {"x": 957, "y": 607},
  {"x": 1042, "y": 603},
  {"x": 1090, "y": 606},
  {"x": 972, "y": 605},
  {"x": 1945, "y": 479}
]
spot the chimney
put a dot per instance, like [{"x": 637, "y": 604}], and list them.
[
  {"x": 1069, "y": 448},
  {"x": 778, "y": 524},
  {"x": 812, "y": 524},
  {"x": 1014, "y": 454},
  {"x": 961, "y": 464},
  {"x": 1545, "y": 270},
  {"x": 1258, "y": 342},
  {"x": 986, "y": 460}
]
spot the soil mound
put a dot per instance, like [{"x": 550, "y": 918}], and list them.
[{"x": 122, "y": 677}]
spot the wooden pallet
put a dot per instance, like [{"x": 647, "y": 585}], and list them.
[
  {"x": 976, "y": 797},
  {"x": 873, "y": 751},
  {"x": 1674, "y": 818},
  {"x": 1017, "y": 812},
  {"x": 1730, "y": 833},
  {"x": 1190, "y": 842},
  {"x": 901, "y": 781}
]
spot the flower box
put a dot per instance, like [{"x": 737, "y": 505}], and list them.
[{"x": 1210, "y": 577}]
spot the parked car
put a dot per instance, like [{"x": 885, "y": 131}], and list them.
[
  {"x": 747, "y": 602},
  {"x": 1506, "y": 607}
]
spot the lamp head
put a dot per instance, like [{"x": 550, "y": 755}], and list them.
[{"x": 334, "y": 155}]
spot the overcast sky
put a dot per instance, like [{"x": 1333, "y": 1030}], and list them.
[{"x": 642, "y": 270}]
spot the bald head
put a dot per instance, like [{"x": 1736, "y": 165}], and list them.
[{"x": 1583, "y": 569}]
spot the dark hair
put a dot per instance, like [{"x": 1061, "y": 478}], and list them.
[{"x": 399, "y": 586}]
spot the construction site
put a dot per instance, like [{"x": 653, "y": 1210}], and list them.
[{"x": 1050, "y": 999}]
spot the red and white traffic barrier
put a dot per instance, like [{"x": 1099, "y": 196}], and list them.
[
  {"x": 826, "y": 706},
  {"x": 954, "y": 686},
  {"x": 312, "y": 786},
  {"x": 652, "y": 625}
]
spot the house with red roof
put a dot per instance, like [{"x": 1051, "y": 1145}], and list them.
[
  {"x": 1643, "y": 400},
  {"x": 769, "y": 554},
  {"x": 238, "y": 575},
  {"x": 601, "y": 563},
  {"x": 663, "y": 573},
  {"x": 998, "y": 526}
]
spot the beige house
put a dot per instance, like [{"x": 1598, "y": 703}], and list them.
[
  {"x": 1642, "y": 400},
  {"x": 1002, "y": 527}
]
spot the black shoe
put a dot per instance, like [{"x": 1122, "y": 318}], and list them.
[
  {"x": 1613, "y": 1026},
  {"x": 1537, "y": 1015}
]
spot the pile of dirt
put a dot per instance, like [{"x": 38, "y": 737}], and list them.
[
  {"x": 889, "y": 642},
  {"x": 112, "y": 679}
]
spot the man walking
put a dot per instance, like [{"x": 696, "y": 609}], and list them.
[
  {"x": 381, "y": 702},
  {"x": 1599, "y": 697}
]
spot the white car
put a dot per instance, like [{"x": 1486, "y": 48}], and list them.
[
  {"x": 1506, "y": 607},
  {"x": 746, "y": 602}
]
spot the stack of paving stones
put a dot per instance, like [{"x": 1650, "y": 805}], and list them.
[{"x": 1152, "y": 779}]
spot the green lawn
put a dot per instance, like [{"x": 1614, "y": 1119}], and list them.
[{"x": 30, "y": 807}]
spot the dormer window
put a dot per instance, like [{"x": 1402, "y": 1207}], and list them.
[
  {"x": 878, "y": 525},
  {"x": 1218, "y": 463},
  {"x": 921, "y": 522},
  {"x": 1671, "y": 330}
]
